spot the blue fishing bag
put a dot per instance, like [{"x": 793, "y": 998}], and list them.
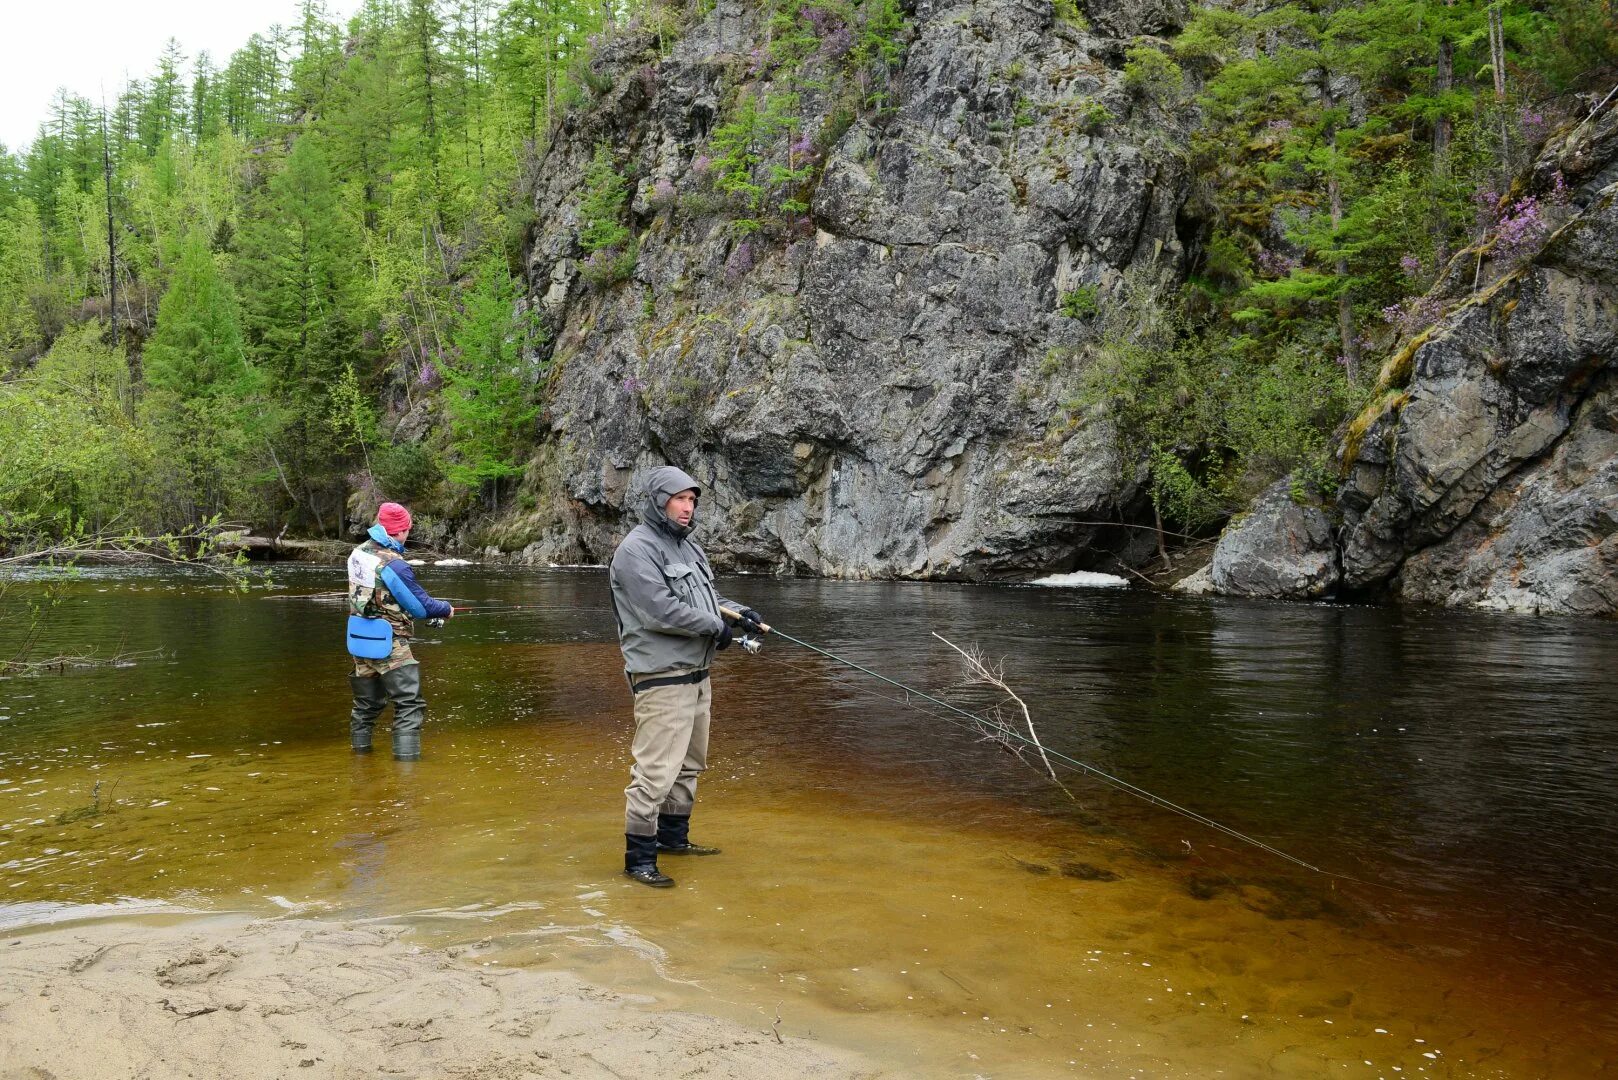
[{"x": 369, "y": 639}]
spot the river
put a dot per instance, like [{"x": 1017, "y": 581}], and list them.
[{"x": 892, "y": 880}]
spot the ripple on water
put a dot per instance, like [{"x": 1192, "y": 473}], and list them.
[{"x": 885, "y": 872}]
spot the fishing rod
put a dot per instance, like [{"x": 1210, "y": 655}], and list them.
[
  {"x": 465, "y": 608},
  {"x": 750, "y": 641},
  {"x": 468, "y": 612}
]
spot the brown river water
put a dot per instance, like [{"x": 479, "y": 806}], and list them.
[{"x": 891, "y": 881}]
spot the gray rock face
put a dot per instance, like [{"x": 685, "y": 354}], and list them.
[
  {"x": 1280, "y": 549},
  {"x": 875, "y": 388},
  {"x": 1486, "y": 473}
]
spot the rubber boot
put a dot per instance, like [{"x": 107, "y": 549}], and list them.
[
  {"x": 674, "y": 836},
  {"x": 370, "y": 698},
  {"x": 409, "y": 710},
  {"x": 640, "y": 861}
]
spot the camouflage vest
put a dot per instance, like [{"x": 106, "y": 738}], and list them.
[{"x": 368, "y": 595}]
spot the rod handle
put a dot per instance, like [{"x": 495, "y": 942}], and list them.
[{"x": 736, "y": 616}]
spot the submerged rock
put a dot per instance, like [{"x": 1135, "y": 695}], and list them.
[{"x": 1087, "y": 872}]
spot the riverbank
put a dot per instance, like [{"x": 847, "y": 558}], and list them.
[{"x": 231, "y": 996}]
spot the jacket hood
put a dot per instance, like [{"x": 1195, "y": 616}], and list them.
[
  {"x": 662, "y": 483},
  {"x": 380, "y": 535}
]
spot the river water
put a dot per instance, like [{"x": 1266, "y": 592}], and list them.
[{"x": 892, "y": 880}]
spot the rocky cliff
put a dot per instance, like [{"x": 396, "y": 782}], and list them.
[
  {"x": 874, "y": 387},
  {"x": 1485, "y": 470}
]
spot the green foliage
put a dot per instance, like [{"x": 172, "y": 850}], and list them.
[
  {"x": 1570, "y": 40},
  {"x": 603, "y": 235},
  {"x": 1080, "y": 303},
  {"x": 1090, "y": 114},
  {"x": 353, "y": 416},
  {"x": 1213, "y": 415},
  {"x": 299, "y": 223},
  {"x": 601, "y": 210},
  {"x": 844, "y": 50},
  {"x": 1153, "y": 76},
  {"x": 741, "y": 143},
  {"x": 22, "y": 275},
  {"x": 405, "y": 472},
  {"x": 1323, "y": 211},
  {"x": 202, "y": 399},
  {"x": 74, "y": 453},
  {"x": 340, "y": 179},
  {"x": 489, "y": 397},
  {"x": 877, "y": 50},
  {"x": 1068, "y": 11}
]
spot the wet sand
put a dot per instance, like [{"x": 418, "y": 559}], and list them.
[{"x": 216, "y": 997}]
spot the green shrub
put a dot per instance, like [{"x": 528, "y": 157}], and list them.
[
  {"x": 1081, "y": 303},
  {"x": 607, "y": 241},
  {"x": 1068, "y": 11},
  {"x": 1152, "y": 75},
  {"x": 1213, "y": 414},
  {"x": 405, "y": 471}
]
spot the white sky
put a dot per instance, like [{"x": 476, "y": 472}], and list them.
[{"x": 88, "y": 45}]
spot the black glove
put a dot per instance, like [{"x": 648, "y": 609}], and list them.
[
  {"x": 723, "y": 639},
  {"x": 752, "y": 622}
]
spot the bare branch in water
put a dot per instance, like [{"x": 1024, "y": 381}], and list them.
[
  {"x": 981, "y": 672},
  {"x": 61, "y": 663},
  {"x": 63, "y": 557}
]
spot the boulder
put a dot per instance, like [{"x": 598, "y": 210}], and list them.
[{"x": 1281, "y": 549}]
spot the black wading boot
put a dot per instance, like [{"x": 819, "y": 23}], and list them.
[
  {"x": 674, "y": 836},
  {"x": 640, "y": 861},
  {"x": 403, "y": 685},
  {"x": 370, "y": 698}
]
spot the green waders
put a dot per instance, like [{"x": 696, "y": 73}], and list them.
[{"x": 402, "y": 686}]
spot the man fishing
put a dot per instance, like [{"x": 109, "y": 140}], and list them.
[
  {"x": 669, "y": 627},
  {"x": 382, "y": 587}
]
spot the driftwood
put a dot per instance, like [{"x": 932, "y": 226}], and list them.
[
  {"x": 260, "y": 548},
  {"x": 22, "y": 664}
]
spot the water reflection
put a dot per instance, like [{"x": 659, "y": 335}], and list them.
[{"x": 1463, "y": 765}]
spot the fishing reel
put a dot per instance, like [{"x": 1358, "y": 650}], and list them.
[{"x": 752, "y": 638}]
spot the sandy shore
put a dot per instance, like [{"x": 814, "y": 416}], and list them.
[{"x": 298, "y": 998}]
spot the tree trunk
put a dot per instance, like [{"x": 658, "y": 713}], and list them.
[
  {"x": 1497, "y": 64},
  {"x": 112, "y": 265},
  {"x": 1443, "y": 82},
  {"x": 1346, "y": 333}
]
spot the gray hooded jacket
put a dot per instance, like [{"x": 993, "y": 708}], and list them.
[{"x": 662, "y": 587}]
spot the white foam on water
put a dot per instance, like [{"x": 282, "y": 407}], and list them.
[
  {"x": 453, "y": 562},
  {"x": 49, "y": 913},
  {"x": 1082, "y": 579}
]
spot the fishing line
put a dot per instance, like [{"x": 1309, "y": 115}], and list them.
[{"x": 1073, "y": 763}]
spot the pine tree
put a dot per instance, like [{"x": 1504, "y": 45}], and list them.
[
  {"x": 200, "y": 388},
  {"x": 606, "y": 240},
  {"x": 297, "y": 270},
  {"x": 487, "y": 395}
]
